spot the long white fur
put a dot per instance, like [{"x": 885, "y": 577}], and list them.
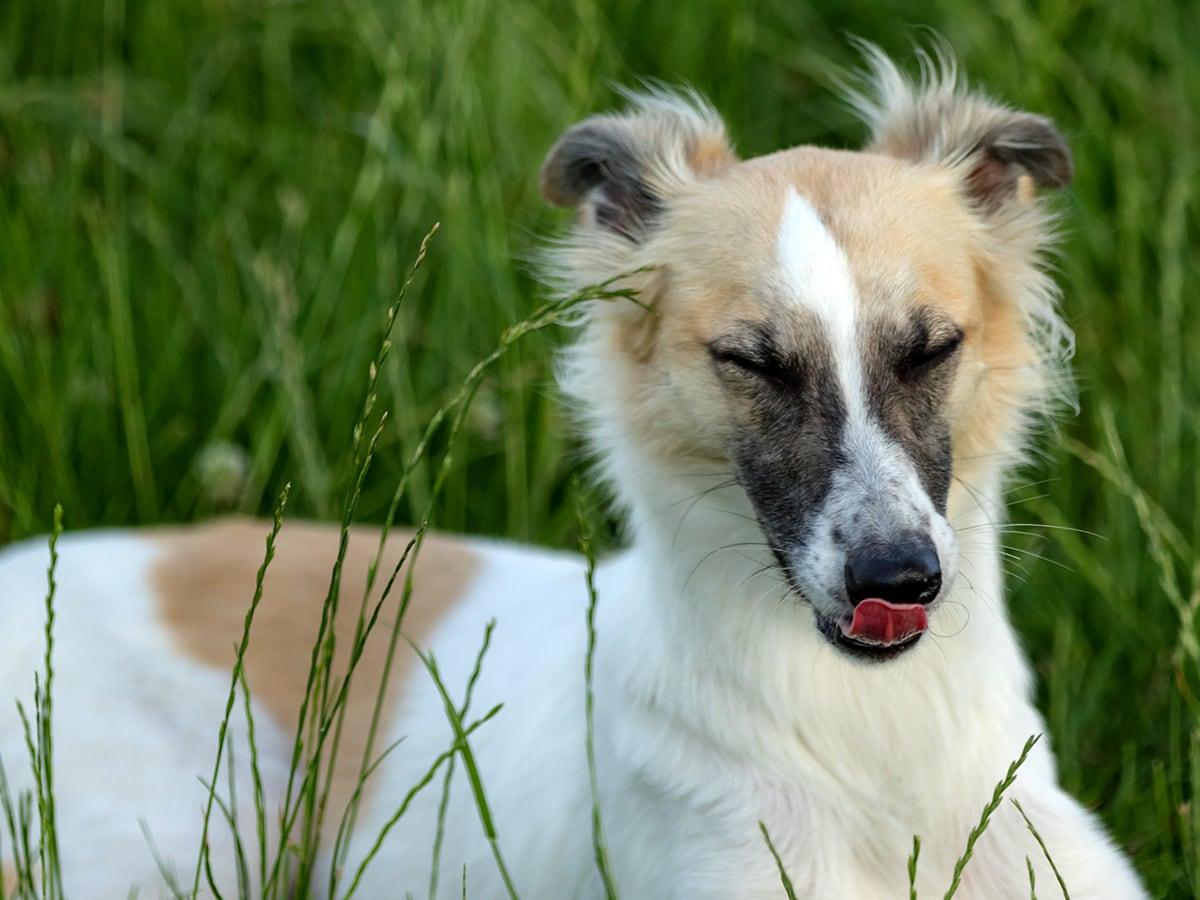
[{"x": 717, "y": 707}]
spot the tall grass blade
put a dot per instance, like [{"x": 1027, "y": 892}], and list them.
[
  {"x": 463, "y": 746},
  {"x": 455, "y": 410},
  {"x": 260, "y": 801},
  {"x": 439, "y": 833},
  {"x": 444, "y": 803},
  {"x": 409, "y": 797},
  {"x": 328, "y": 712},
  {"x": 165, "y": 870},
  {"x": 238, "y": 669},
  {"x": 39, "y": 744},
  {"x": 985, "y": 818},
  {"x": 1062, "y": 884},
  {"x": 784, "y": 878},
  {"x": 18, "y": 833},
  {"x": 599, "y": 847},
  {"x": 912, "y": 868}
]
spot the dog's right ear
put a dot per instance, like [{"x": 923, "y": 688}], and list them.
[
  {"x": 621, "y": 170},
  {"x": 1001, "y": 154}
]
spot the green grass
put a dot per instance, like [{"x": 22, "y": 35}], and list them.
[
  {"x": 34, "y": 861},
  {"x": 206, "y": 209}
]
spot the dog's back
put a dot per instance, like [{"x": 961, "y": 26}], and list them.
[{"x": 145, "y": 631}]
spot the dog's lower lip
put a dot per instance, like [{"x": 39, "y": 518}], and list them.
[{"x": 879, "y": 645}]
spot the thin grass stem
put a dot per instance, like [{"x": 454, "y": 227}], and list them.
[
  {"x": 985, "y": 818},
  {"x": 784, "y": 878}
]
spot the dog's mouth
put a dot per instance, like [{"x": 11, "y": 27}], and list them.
[{"x": 876, "y": 630}]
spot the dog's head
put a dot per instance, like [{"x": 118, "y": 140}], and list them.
[{"x": 850, "y": 333}]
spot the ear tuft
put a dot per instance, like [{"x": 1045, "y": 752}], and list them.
[
  {"x": 621, "y": 169},
  {"x": 935, "y": 119}
]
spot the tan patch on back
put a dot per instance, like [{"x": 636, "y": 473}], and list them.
[
  {"x": 8, "y": 878},
  {"x": 206, "y": 578}
]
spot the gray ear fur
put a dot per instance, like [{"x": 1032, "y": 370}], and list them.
[{"x": 621, "y": 169}]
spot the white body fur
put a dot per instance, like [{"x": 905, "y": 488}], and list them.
[
  {"x": 133, "y": 719},
  {"x": 707, "y": 720}
]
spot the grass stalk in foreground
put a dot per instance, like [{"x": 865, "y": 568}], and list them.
[
  {"x": 410, "y": 796},
  {"x": 783, "y": 875},
  {"x": 455, "y": 409},
  {"x": 463, "y": 746},
  {"x": 912, "y": 868},
  {"x": 165, "y": 870},
  {"x": 445, "y": 757},
  {"x": 326, "y": 716},
  {"x": 364, "y": 624},
  {"x": 260, "y": 801},
  {"x": 314, "y": 724},
  {"x": 316, "y": 720},
  {"x": 599, "y": 846},
  {"x": 237, "y": 676},
  {"x": 369, "y": 401},
  {"x": 39, "y": 741},
  {"x": 985, "y": 818},
  {"x": 43, "y": 706},
  {"x": 230, "y": 814},
  {"x": 18, "y": 817},
  {"x": 1062, "y": 884},
  {"x": 444, "y": 805},
  {"x": 439, "y": 833},
  {"x": 328, "y": 712}
]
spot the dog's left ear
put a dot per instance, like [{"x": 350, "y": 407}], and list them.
[
  {"x": 621, "y": 170},
  {"x": 1002, "y": 153}
]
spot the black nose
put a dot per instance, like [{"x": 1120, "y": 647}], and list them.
[{"x": 902, "y": 572}]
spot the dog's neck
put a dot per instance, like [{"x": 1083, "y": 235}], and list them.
[{"x": 713, "y": 644}]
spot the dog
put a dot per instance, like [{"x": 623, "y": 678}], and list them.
[{"x": 807, "y": 420}]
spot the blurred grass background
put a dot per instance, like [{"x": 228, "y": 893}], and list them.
[{"x": 206, "y": 206}]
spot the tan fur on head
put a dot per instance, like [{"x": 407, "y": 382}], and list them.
[
  {"x": 658, "y": 186},
  {"x": 1001, "y": 156}
]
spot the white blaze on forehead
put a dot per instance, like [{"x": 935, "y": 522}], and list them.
[
  {"x": 878, "y": 478},
  {"x": 817, "y": 276}
]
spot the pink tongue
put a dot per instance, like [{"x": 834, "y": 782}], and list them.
[{"x": 886, "y": 623}]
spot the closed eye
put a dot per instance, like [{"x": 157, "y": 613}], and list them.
[
  {"x": 761, "y": 365},
  {"x": 927, "y": 357}
]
